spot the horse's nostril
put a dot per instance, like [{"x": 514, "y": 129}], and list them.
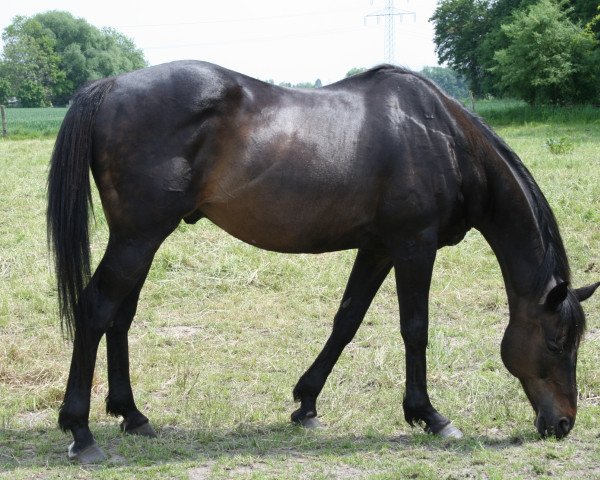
[{"x": 564, "y": 426}]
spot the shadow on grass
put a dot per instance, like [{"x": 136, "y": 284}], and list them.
[{"x": 47, "y": 448}]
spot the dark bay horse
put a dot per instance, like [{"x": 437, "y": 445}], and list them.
[{"x": 382, "y": 162}]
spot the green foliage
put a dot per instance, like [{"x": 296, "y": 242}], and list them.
[
  {"x": 507, "y": 112},
  {"x": 593, "y": 26},
  {"x": 355, "y": 71},
  {"x": 470, "y": 33},
  {"x": 560, "y": 146},
  {"x": 459, "y": 28},
  {"x": 29, "y": 56},
  {"x": 304, "y": 85},
  {"x": 549, "y": 59},
  {"x": 60, "y": 53},
  {"x": 583, "y": 11},
  {"x": 31, "y": 94},
  {"x": 448, "y": 80},
  {"x": 317, "y": 84},
  {"x": 5, "y": 91}
]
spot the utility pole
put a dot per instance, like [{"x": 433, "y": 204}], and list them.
[{"x": 389, "y": 14}]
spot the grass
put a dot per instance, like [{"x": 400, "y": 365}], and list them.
[
  {"x": 224, "y": 330},
  {"x": 33, "y": 122},
  {"x": 505, "y": 112}
]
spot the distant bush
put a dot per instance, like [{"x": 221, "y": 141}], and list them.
[
  {"x": 448, "y": 80},
  {"x": 549, "y": 59}
]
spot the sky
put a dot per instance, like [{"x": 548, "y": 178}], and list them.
[{"x": 267, "y": 39}]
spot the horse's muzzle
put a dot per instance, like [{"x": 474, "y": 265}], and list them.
[{"x": 558, "y": 428}]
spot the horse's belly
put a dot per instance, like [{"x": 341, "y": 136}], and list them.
[{"x": 301, "y": 225}]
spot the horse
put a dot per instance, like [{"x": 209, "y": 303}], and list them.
[{"x": 382, "y": 162}]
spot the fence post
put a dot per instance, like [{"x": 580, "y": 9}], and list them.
[{"x": 4, "y": 129}]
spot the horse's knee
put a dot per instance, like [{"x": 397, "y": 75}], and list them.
[{"x": 414, "y": 333}]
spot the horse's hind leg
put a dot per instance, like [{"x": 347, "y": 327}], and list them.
[
  {"x": 368, "y": 273},
  {"x": 123, "y": 266},
  {"x": 120, "y": 401},
  {"x": 413, "y": 268}
]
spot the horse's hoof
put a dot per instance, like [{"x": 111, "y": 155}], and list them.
[
  {"x": 91, "y": 454},
  {"x": 306, "y": 419},
  {"x": 144, "y": 430},
  {"x": 450, "y": 431},
  {"x": 311, "y": 423}
]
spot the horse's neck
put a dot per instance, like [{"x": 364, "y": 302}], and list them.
[{"x": 511, "y": 225}]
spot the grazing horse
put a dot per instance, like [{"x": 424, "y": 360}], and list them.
[{"x": 382, "y": 162}]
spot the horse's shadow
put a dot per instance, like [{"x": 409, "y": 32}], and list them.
[{"x": 47, "y": 447}]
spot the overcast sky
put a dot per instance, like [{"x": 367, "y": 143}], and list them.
[{"x": 267, "y": 39}]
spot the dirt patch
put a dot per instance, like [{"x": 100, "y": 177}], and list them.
[
  {"x": 200, "y": 473},
  {"x": 36, "y": 418},
  {"x": 179, "y": 331}
]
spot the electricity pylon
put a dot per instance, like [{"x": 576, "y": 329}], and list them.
[{"x": 389, "y": 14}]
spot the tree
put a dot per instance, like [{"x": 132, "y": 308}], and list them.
[
  {"x": 355, "y": 71},
  {"x": 549, "y": 59},
  {"x": 459, "y": 29},
  {"x": 29, "y": 56},
  {"x": 31, "y": 94},
  {"x": 467, "y": 33},
  {"x": 448, "y": 80},
  {"x": 60, "y": 53},
  {"x": 304, "y": 85},
  {"x": 593, "y": 26},
  {"x": 5, "y": 91}
]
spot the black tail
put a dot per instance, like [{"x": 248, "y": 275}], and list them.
[{"x": 69, "y": 197}]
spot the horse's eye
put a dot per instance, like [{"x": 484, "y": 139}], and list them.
[{"x": 555, "y": 347}]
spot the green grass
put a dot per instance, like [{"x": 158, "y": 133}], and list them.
[
  {"x": 34, "y": 122},
  {"x": 506, "y": 112},
  {"x": 224, "y": 330}
]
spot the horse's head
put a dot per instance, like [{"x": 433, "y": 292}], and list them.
[{"x": 540, "y": 349}]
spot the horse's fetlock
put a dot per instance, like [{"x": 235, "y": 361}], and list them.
[
  {"x": 116, "y": 406},
  {"x": 72, "y": 416}
]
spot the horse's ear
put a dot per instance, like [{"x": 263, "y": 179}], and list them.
[
  {"x": 556, "y": 296},
  {"x": 584, "y": 293}
]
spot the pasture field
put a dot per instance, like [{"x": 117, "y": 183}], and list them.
[
  {"x": 224, "y": 331},
  {"x": 34, "y": 122}
]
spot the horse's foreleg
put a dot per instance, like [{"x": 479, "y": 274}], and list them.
[
  {"x": 368, "y": 273},
  {"x": 119, "y": 401},
  {"x": 123, "y": 266},
  {"x": 413, "y": 270}
]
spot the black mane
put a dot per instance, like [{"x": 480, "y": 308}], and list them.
[{"x": 555, "y": 264}]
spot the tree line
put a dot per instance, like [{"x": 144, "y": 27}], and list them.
[{"x": 542, "y": 51}]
